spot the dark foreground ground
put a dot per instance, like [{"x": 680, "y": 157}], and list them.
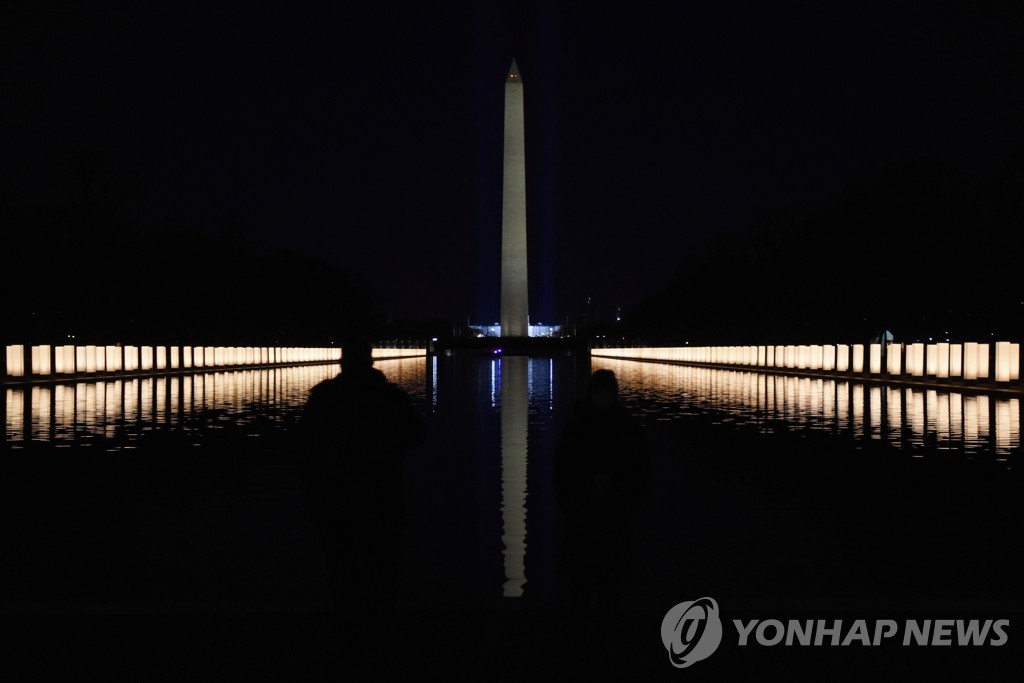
[{"x": 178, "y": 562}]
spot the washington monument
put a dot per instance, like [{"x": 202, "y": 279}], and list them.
[{"x": 514, "y": 292}]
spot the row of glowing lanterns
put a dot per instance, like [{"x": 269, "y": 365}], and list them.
[
  {"x": 968, "y": 361},
  {"x": 46, "y": 360}
]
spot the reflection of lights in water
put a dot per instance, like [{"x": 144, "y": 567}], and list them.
[
  {"x": 983, "y": 421},
  {"x": 1007, "y": 425},
  {"x": 40, "y": 412},
  {"x": 894, "y": 410},
  {"x": 14, "y": 413},
  {"x": 146, "y": 407},
  {"x": 64, "y": 412},
  {"x": 494, "y": 383},
  {"x": 900, "y": 415},
  {"x": 931, "y": 408},
  {"x": 875, "y": 414},
  {"x": 60, "y": 411},
  {"x": 917, "y": 424},
  {"x": 972, "y": 425},
  {"x": 112, "y": 407},
  {"x": 551, "y": 384},
  {"x": 858, "y": 409},
  {"x": 843, "y": 403},
  {"x": 161, "y": 405},
  {"x": 515, "y": 380},
  {"x": 433, "y": 382},
  {"x": 1004, "y": 422},
  {"x": 816, "y": 387},
  {"x": 956, "y": 422},
  {"x": 942, "y": 416}
]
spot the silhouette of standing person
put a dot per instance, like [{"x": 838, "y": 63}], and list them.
[
  {"x": 354, "y": 432},
  {"x": 601, "y": 468}
]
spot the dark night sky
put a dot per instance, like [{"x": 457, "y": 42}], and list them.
[{"x": 371, "y": 134}]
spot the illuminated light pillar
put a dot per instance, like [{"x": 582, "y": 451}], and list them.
[
  {"x": 41, "y": 361},
  {"x": 85, "y": 359},
  {"x": 971, "y": 360},
  {"x": 842, "y": 358},
  {"x": 26, "y": 365},
  {"x": 828, "y": 361},
  {"x": 514, "y": 292},
  {"x": 131, "y": 358},
  {"x": 983, "y": 361},
  {"x": 1002, "y": 361},
  {"x": 943, "y": 372},
  {"x": 931, "y": 363},
  {"x": 894, "y": 359},
  {"x": 955, "y": 360},
  {"x": 875, "y": 351},
  {"x": 858, "y": 358},
  {"x": 65, "y": 360},
  {"x": 113, "y": 358},
  {"x": 915, "y": 363}
]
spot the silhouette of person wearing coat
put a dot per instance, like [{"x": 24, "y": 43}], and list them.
[
  {"x": 353, "y": 434},
  {"x": 601, "y": 468}
]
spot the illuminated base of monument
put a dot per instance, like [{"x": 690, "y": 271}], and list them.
[{"x": 534, "y": 330}]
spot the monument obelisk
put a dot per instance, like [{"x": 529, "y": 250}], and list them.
[{"x": 514, "y": 292}]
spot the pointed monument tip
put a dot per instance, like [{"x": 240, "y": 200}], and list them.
[{"x": 513, "y": 74}]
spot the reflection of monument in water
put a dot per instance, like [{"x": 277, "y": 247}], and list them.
[
  {"x": 514, "y": 430},
  {"x": 515, "y": 298}
]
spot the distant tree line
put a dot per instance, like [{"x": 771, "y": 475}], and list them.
[{"x": 917, "y": 248}]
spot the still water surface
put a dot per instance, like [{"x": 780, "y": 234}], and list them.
[
  {"x": 904, "y": 416},
  {"x": 481, "y": 499}
]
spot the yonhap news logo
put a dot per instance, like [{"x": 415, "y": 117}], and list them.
[{"x": 692, "y": 631}]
